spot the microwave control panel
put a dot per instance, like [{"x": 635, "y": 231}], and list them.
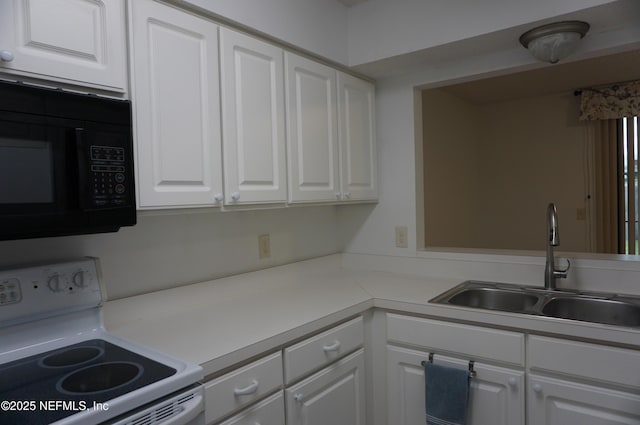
[{"x": 108, "y": 176}]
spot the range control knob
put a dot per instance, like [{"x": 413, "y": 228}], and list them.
[
  {"x": 55, "y": 283},
  {"x": 81, "y": 279}
]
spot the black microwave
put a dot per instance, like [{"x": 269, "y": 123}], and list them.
[{"x": 66, "y": 163}]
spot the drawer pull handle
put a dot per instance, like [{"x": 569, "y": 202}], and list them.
[
  {"x": 248, "y": 390},
  {"x": 298, "y": 397},
  {"x": 333, "y": 347}
]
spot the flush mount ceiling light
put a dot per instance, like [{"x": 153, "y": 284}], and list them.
[{"x": 552, "y": 42}]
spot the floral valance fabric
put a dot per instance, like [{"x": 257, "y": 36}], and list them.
[{"x": 613, "y": 102}]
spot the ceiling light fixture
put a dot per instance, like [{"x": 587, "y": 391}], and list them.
[{"x": 552, "y": 42}]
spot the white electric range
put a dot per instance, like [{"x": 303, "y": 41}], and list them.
[{"x": 59, "y": 365}]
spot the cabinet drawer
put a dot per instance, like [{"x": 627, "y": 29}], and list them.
[
  {"x": 268, "y": 412},
  {"x": 469, "y": 341},
  {"x": 322, "y": 349},
  {"x": 243, "y": 386},
  {"x": 612, "y": 365}
]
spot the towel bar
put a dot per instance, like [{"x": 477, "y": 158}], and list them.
[{"x": 472, "y": 372}]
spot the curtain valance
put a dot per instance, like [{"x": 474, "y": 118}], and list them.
[{"x": 612, "y": 102}]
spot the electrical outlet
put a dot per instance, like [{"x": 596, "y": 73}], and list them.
[
  {"x": 401, "y": 237},
  {"x": 264, "y": 246}
]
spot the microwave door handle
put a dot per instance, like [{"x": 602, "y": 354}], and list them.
[{"x": 81, "y": 151}]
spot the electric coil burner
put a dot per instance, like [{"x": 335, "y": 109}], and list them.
[{"x": 58, "y": 365}]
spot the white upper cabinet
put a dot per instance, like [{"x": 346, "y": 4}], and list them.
[
  {"x": 177, "y": 107},
  {"x": 330, "y": 134},
  {"x": 253, "y": 120},
  {"x": 312, "y": 131},
  {"x": 356, "y": 112},
  {"x": 80, "y": 42},
  {"x": 211, "y": 102}
]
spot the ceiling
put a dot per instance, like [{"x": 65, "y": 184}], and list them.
[{"x": 551, "y": 79}]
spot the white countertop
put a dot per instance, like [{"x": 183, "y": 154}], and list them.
[{"x": 226, "y": 321}]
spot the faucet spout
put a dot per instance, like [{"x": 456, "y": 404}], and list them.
[
  {"x": 552, "y": 225},
  {"x": 553, "y": 239}
]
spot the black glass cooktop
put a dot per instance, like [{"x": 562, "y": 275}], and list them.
[{"x": 47, "y": 387}]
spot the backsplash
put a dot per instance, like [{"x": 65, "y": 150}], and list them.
[{"x": 167, "y": 249}]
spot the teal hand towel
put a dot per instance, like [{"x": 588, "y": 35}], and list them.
[{"x": 446, "y": 394}]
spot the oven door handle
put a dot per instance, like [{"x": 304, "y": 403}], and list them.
[
  {"x": 83, "y": 171},
  {"x": 192, "y": 409}
]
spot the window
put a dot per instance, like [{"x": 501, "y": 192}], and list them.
[{"x": 628, "y": 148}]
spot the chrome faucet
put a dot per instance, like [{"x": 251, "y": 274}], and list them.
[{"x": 553, "y": 239}]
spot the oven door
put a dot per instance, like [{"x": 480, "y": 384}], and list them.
[{"x": 184, "y": 408}]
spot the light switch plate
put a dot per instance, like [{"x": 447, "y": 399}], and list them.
[
  {"x": 401, "y": 237},
  {"x": 264, "y": 246}
]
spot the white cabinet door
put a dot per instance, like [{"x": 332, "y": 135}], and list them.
[
  {"x": 558, "y": 402},
  {"x": 253, "y": 120},
  {"x": 312, "y": 131},
  {"x": 177, "y": 106},
  {"x": 75, "y": 41},
  {"x": 496, "y": 396},
  {"x": 335, "y": 395},
  {"x": 356, "y": 112}
]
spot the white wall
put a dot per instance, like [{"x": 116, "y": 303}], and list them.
[
  {"x": 166, "y": 250},
  {"x": 380, "y": 29},
  {"x": 319, "y": 26},
  {"x": 396, "y": 97}
]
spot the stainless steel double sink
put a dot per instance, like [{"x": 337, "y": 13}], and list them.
[{"x": 596, "y": 307}]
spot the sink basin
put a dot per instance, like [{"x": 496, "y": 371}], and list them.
[
  {"x": 609, "y": 309},
  {"x": 593, "y": 310},
  {"x": 495, "y": 299}
]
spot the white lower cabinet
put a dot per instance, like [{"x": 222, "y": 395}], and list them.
[
  {"x": 242, "y": 387},
  {"x": 325, "y": 374},
  {"x": 496, "y": 393},
  {"x": 575, "y": 382},
  {"x": 568, "y": 382},
  {"x": 335, "y": 395},
  {"x": 268, "y": 412},
  {"x": 561, "y": 402}
]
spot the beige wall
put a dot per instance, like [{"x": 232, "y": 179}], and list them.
[
  {"x": 451, "y": 150},
  {"x": 527, "y": 153}
]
